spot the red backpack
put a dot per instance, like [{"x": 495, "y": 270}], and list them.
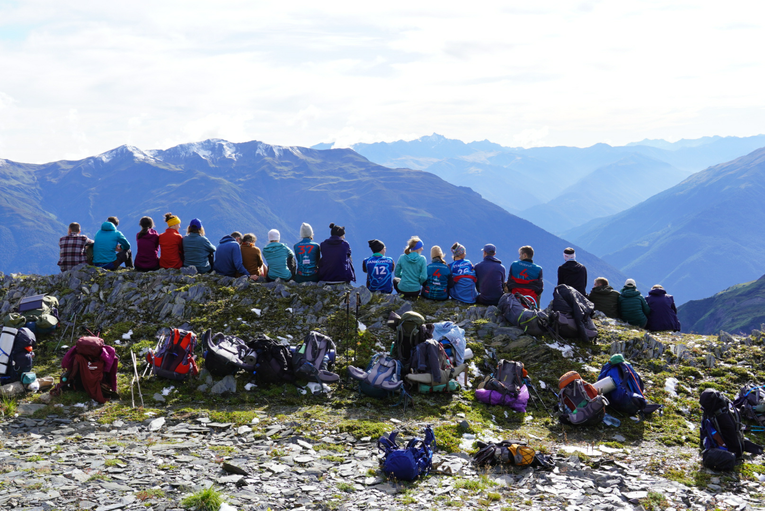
[{"x": 174, "y": 359}]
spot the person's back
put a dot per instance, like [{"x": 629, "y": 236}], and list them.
[
  {"x": 228, "y": 258},
  {"x": 436, "y": 287},
  {"x": 663, "y": 314},
  {"x": 525, "y": 276},
  {"x": 336, "y": 263},
  {"x": 572, "y": 273},
  {"x": 605, "y": 298},
  {"x": 379, "y": 268},
  {"x": 147, "y": 246},
  {"x": 252, "y": 259},
  {"x": 632, "y": 306},
  {"x": 197, "y": 249},
  {"x": 307, "y": 255},
  {"x": 72, "y": 248},
  {"x": 279, "y": 257},
  {"x": 463, "y": 276},
  {"x": 105, "y": 246},
  {"x": 490, "y": 277},
  {"x": 411, "y": 269},
  {"x": 171, "y": 244}
]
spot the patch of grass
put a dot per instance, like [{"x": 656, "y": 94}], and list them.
[
  {"x": 475, "y": 485},
  {"x": 333, "y": 459},
  {"x": 330, "y": 447},
  {"x": 8, "y": 406},
  {"x": 204, "y": 500},
  {"x": 654, "y": 502},
  {"x": 35, "y": 457},
  {"x": 346, "y": 487},
  {"x": 167, "y": 466},
  {"x": 153, "y": 493},
  {"x": 113, "y": 462},
  {"x": 361, "y": 429},
  {"x": 98, "y": 476},
  {"x": 223, "y": 449}
]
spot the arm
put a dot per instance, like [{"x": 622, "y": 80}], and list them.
[
  {"x": 238, "y": 264},
  {"x": 423, "y": 271},
  {"x": 291, "y": 264},
  {"x": 559, "y": 277},
  {"x": 364, "y": 265},
  {"x": 646, "y": 308},
  {"x": 397, "y": 271},
  {"x": 123, "y": 242}
]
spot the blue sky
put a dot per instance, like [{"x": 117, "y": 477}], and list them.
[{"x": 79, "y": 78}]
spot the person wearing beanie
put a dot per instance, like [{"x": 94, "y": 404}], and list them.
[
  {"x": 147, "y": 246},
  {"x": 490, "y": 275},
  {"x": 439, "y": 276},
  {"x": 228, "y": 257},
  {"x": 111, "y": 248},
  {"x": 572, "y": 273},
  {"x": 605, "y": 298},
  {"x": 336, "y": 262},
  {"x": 197, "y": 249},
  {"x": 308, "y": 255},
  {"x": 663, "y": 314},
  {"x": 462, "y": 287},
  {"x": 526, "y": 277},
  {"x": 171, "y": 243},
  {"x": 379, "y": 268},
  {"x": 411, "y": 269},
  {"x": 252, "y": 259},
  {"x": 279, "y": 258},
  {"x": 632, "y": 306}
]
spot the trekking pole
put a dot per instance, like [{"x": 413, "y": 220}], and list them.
[
  {"x": 136, "y": 380},
  {"x": 356, "y": 327},
  {"x": 347, "y": 323},
  {"x": 74, "y": 326},
  {"x": 539, "y": 398}
]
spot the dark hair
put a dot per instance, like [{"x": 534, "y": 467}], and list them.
[
  {"x": 527, "y": 251},
  {"x": 74, "y": 227},
  {"x": 337, "y": 230},
  {"x": 236, "y": 234},
  {"x": 168, "y": 216},
  {"x": 194, "y": 229},
  {"x": 114, "y": 220},
  {"x": 601, "y": 281},
  {"x": 249, "y": 238},
  {"x": 146, "y": 223}
]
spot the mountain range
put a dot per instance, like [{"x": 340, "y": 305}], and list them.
[
  {"x": 254, "y": 187},
  {"x": 738, "y": 309}
]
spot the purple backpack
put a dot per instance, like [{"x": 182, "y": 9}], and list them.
[{"x": 505, "y": 387}]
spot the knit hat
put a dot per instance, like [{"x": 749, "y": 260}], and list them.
[
  {"x": 657, "y": 286},
  {"x": 489, "y": 249},
  {"x": 630, "y": 283},
  {"x": 173, "y": 220},
  {"x": 274, "y": 235},
  {"x": 569, "y": 254},
  {"x": 376, "y": 246},
  {"x": 195, "y": 222},
  {"x": 306, "y": 231},
  {"x": 616, "y": 359},
  {"x": 458, "y": 250},
  {"x": 337, "y": 230},
  {"x": 436, "y": 252}
]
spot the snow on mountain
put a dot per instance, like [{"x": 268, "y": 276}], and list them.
[
  {"x": 122, "y": 151},
  {"x": 211, "y": 149}
]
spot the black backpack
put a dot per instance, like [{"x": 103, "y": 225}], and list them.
[
  {"x": 273, "y": 361},
  {"x": 750, "y": 402},
  {"x": 314, "y": 359},
  {"x": 507, "y": 380},
  {"x": 721, "y": 436},
  {"x": 16, "y": 356},
  {"x": 226, "y": 354}
]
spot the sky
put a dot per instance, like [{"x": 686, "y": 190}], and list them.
[{"x": 78, "y": 78}]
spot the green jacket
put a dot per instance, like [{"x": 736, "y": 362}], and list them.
[
  {"x": 633, "y": 308},
  {"x": 412, "y": 269}
]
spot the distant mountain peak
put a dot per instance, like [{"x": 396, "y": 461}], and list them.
[
  {"x": 435, "y": 137},
  {"x": 123, "y": 150},
  {"x": 210, "y": 149}
]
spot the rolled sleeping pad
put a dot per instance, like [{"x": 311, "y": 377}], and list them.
[{"x": 605, "y": 385}]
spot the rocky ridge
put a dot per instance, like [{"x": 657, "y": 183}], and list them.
[{"x": 278, "y": 448}]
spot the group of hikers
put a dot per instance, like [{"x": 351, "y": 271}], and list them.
[{"x": 330, "y": 261}]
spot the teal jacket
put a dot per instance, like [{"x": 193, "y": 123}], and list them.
[
  {"x": 412, "y": 269},
  {"x": 105, "y": 244},
  {"x": 196, "y": 252},
  {"x": 633, "y": 308},
  {"x": 279, "y": 259}
]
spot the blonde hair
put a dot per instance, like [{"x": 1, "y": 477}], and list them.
[
  {"x": 437, "y": 253},
  {"x": 411, "y": 243}
]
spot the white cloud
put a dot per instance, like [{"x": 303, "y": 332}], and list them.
[{"x": 156, "y": 74}]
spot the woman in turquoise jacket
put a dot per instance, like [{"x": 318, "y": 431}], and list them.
[
  {"x": 197, "y": 249},
  {"x": 411, "y": 269}
]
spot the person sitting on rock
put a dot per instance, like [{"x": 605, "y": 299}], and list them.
[
  {"x": 111, "y": 248},
  {"x": 279, "y": 258},
  {"x": 663, "y": 314},
  {"x": 147, "y": 246},
  {"x": 525, "y": 276},
  {"x": 171, "y": 243},
  {"x": 605, "y": 298},
  {"x": 228, "y": 257},
  {"x": 572, "y": 273},
  {"x": 237, "y": 236},
  {"x": 463, "y": 276},
  {"x": 197, "y": 249},
  {"x": 308, "y": 255},
  {"x": 436, "y": 287},
  {"x": 72, "y": 248},
  {"x": 336, "y": 263},
  {"x": 411, "y": 269},
  {"x": 252, "y": 259},
  {"x": 632, "y": 306},
  {"x": 379, "y": 268},
  {"x": 490, "y": 275}
]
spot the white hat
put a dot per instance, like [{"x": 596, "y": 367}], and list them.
[
  {"x": 630, "y": 283},
  {"x": 273, "y": 235},
  {"x": 306, "y": 231}
]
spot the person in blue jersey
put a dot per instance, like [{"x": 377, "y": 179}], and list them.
[
  {"x": 463, "y": 276},
  {"x": 525, "y": 277},
  {"x": 411, "y": 269},
  {"x": 491, "y": 277},
  {"x": 379, "y": 268},
  {"x": 439, "y": 276},
  {"x": 308, "y": 256}
]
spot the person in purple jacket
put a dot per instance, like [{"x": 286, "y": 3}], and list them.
[
  {"x": 663, "y": 314},
  {"x": 147, "y": 241},
  {"x": 336, "y": 263},
  {"x": 490, "y": 275}
]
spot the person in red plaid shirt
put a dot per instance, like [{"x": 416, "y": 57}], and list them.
[{"x": 72, "y": 248}]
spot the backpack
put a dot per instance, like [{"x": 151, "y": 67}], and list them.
[
  {"x": 39, "y": 313},
  {"x": 382, "y": 377},
  {"x": 174, "y": 359},
  {"x": 628, "y": 397},
  {"x": 85, "y": 368},
  {"x": 410, "y": 462},
  {"x": 750, "y": 402},
  {"x": 16, "y": 353},
  {"x": 226, "y": 354},
  {"x": 721, "y": 436},
  {"x": 519, "y": 311},
  {"x": 574, "y": 314},
  {"x": 505, "y": 387},
  {"x": 314, "y": 359},
  {"x": 410, "y": 331},
  {"x": 273, "y": 361},
  {"x": 431, "y": 369},
  {"x": 511, "y": 452},
  {"x": 579, "y": 402}
]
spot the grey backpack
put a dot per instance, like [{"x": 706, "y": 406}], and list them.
[{"x": 314, "y": 359}]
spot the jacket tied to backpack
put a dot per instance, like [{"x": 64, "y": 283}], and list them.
[
  {"x": 574, "y": 314},
  {"x": 90, "y": 365},
  {"x": 410, "y": 462}
]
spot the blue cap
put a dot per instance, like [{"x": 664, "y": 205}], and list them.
[
  {"x": 489, "y": 248},
  {"x": 195, "y": 222}
]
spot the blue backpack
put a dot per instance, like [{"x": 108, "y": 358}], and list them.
[
  {"x": 628, "y": 396},
  {"x": 382, "y": 377},
  {"x": 410, "y": 462}
]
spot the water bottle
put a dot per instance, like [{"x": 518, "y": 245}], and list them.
[{"x": 612, "y": 421}]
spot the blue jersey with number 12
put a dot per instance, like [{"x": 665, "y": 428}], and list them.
[{"x": 379, "y": 273}]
